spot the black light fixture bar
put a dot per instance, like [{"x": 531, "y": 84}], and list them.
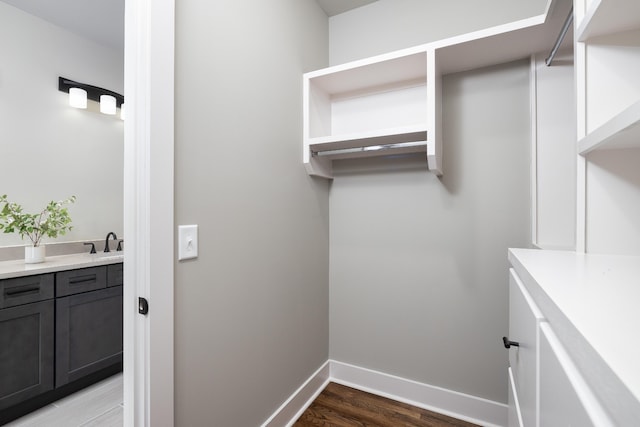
[{"x": 93, "y": 92}]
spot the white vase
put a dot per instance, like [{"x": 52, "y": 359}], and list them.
[{"x": 34, "y": 254}]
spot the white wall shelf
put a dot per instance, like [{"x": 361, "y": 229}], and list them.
[
  {"x": 605, "y": 17},
  {"x": 395, "y": 99},
  {"x": 621, "y": 131},
  {"x": 607, "y": 61}
]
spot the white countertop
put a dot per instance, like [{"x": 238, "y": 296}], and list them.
[
  {"x": 599, "y": 295},
  {"x": 18, "y": 268}
]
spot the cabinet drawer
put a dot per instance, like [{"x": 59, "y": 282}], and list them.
[
  {"x": 83, "y": 280},
  {"x": 565, "y": 397},
  {"x": 24, "y": 290},
  {"x": 524, "y": 319},
  {"x": 114, "y": 275}
]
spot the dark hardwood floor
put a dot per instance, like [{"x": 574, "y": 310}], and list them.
[{"x": 342, "y": 406}]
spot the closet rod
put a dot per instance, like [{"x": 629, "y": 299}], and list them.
[
  {"x": 370, "y": 148},
  {"x": 563, "y": 32}
]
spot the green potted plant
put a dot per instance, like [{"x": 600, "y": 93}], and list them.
[{"x": 52, "y": 221}]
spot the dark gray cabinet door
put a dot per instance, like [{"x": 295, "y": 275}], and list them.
[
  {"x": 26, "y": 352},
  {"x": 88, "y": 333}
]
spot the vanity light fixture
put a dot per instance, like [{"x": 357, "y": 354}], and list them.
[
  {"x": 77, "y": 97},
  {"x": 107, "y": 104},
  {"x": 109, "y": 100}
]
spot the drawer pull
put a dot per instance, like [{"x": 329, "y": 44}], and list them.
[
  {"x": 509, "y": 344},
  {"x": 82, "y": 279},
  {"x": 24, "y": 291}
]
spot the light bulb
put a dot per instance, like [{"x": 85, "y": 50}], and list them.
[
  {"x": 122, "y": 111},
  {"x": 77, "y": 97},
  {"x": 107, "y": 104}
]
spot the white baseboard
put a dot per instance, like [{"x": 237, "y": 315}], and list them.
[
  {"x": 301, "y": 399},
  {"x": 458, "y": 405}
]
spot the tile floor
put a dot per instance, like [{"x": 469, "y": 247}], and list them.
[{"x": 99, "y": 405}]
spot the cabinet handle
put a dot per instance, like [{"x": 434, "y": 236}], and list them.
[
  {"x": 82, "y": 279},
  {"x": 508, "y": 344},
  {"x": 22, "y": 292}
]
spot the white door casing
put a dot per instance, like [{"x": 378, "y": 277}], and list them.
[{"x": 148, "y": 212}]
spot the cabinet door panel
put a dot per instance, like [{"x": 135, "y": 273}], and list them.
[
  {"x": 88, "y": 333},
  {"x": 565, "y": 398},
  {"x": 26, "y": 352},
  {"x": 524, "y": 317}
]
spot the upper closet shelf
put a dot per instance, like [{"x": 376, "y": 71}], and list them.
[
  {"x": 622, "y": 131},
  {"x": 392, "y": 103},
  {"x": 605, "y": 17}
]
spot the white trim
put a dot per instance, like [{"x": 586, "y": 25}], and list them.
[
  {"x": 447, "y": 402},
  {"x": 533, "y": 99},
  {"x": 148, "y": 188},
  {"x": 581, "y": 122},
  {"x": 301, "y": 399}
]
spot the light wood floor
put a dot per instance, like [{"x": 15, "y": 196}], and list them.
[
  {"x": 99, "y": 405},
  {"x": 341, "y": 406}
]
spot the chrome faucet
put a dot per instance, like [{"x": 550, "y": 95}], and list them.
[{"x": 106, "y": 241}]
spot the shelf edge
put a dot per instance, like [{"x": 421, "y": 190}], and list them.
[{"x": 608, "y": 134}]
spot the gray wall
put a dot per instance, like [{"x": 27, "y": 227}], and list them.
[
  {"x": 388, "y": 25},
  {"x": 252, "y": 311},
  {"x": 418, "y": 281}
]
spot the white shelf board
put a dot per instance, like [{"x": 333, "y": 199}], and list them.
[
  {"x": 386, "y": 136},
  {"x": 608, "y": 17},
  {"x": 402, "y": 67},
  {"x": 622, "y": 131},
  {"x": 504, "y": 43}
]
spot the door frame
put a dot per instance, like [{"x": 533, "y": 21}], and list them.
[{"x": 148, "y": 212}]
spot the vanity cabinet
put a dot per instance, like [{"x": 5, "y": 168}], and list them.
[
  {"x": 59, "y": 332},
  {"x": 26, "y": 338}
]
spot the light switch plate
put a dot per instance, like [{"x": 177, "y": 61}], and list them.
[{"x": 187, "y": 242}]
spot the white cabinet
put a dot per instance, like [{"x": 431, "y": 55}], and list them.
[
  {"x": 579, "y": 368},
  {"x": 524, "y": 319}
]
